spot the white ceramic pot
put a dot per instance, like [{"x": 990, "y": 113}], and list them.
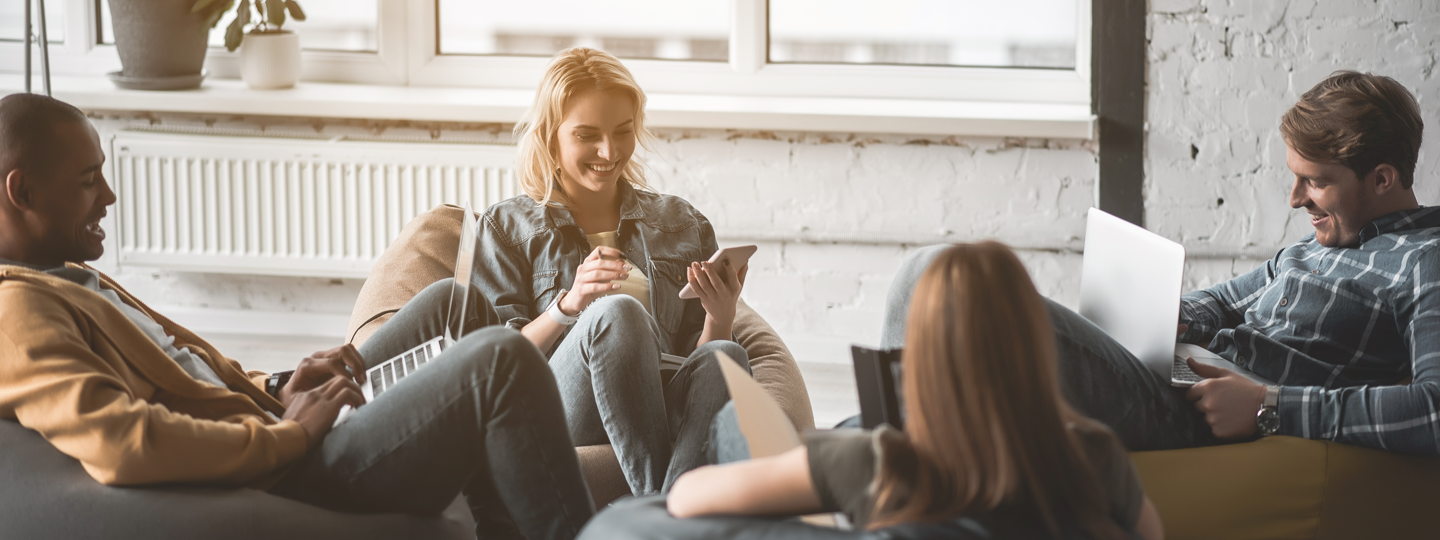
[{"x": 270, "y": 60}]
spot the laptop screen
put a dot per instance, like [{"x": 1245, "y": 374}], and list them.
[{"x": 464, "y": 265}]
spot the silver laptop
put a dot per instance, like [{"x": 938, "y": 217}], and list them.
[
  {"x": 386, "y": 374},
  {"x": 1130, "y": 287}
]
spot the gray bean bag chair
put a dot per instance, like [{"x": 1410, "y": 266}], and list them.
[
  {"x": 46, "y": 494},
  {"x": 645, "y": 518}
]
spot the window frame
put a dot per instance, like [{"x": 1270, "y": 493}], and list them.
[
  {"x": 746, "y": 92},
  {"x": 748, "y": 72}
]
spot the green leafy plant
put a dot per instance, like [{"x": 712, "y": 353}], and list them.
[{"x": 270, "y": 16}]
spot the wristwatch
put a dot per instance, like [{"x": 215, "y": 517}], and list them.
[
  {"x": 1268, "y": 418},
  {"x": 276, "y": 382},
  {"x": 559, "y": 316}
]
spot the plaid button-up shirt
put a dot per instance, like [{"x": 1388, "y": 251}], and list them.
[{"x": 1340, "y": 330}]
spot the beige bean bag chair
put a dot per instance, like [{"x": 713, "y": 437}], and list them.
[{"x": 425, "y": 253}]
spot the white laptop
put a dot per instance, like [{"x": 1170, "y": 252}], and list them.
[
  {"x": 1130, "y": 287},
  {"x": 386, "y": 374}
]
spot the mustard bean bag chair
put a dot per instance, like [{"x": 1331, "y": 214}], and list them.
[{"x": 1291, "y": 488}]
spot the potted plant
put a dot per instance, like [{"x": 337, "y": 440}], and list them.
[
  {"x": 269, "y": 54},
  {"x": 161, "y": 43}
]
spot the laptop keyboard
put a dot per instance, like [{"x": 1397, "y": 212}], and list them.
[
  {"x": 1181, "y": 372},
  {"x": 387, "y": 373}
]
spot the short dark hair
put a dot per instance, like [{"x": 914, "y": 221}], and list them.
[
  {"x": 27, "y": 128},
  {"x": 1359, "y": 120}
]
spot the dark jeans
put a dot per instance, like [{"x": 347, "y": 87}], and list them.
[
  {"x": 484, "y": 419},
  {"x": 1098, "y": 376}
]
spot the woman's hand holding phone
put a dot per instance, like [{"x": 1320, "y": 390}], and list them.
[
  {"x": 718, "y": 285},
  {"x": 594, "y": 279}
]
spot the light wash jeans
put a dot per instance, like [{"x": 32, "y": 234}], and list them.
[
  {"x": 483, "y": 418},
  {"x": 608, "y": 370}
]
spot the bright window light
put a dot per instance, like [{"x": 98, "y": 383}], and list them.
[
  {"x": 696, "y": 30},
  {"x": 1013, "y": 33},
  {"x": 12, "y": 20},
  {"x": 329, "y": 25}
]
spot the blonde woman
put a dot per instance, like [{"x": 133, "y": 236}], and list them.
[
  {"x": 589, "y": 263},
  {"x": 988, "y": 435}
]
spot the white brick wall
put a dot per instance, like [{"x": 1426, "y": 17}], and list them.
[{"x": 1222, "y": 72}]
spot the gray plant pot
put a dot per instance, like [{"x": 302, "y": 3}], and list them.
[{"x": 159, "y": 39}]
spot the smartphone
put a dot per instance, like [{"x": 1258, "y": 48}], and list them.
[{"x": 738, "y": 257}]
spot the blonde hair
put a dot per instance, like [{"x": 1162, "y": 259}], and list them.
[
  {"x": 572, "y": 72},
  {"x": 986, "y": 424}
]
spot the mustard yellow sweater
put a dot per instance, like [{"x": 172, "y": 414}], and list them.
[{"x": 74, "y": 368}]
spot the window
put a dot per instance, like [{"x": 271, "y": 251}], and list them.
[
  {"x": 1019, "y": 51},
  {"x": 697, "y": 30},
  {"x": 1014, "y": 33},
  {"x": 12, "y": 21},
  {"x": 329, "y": 25},
  {"x": 1026, "y": 60}
]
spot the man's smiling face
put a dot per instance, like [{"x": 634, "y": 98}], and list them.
[
  {"x": 68, "y": 197},
  {"x": 1337, "y": 200}
]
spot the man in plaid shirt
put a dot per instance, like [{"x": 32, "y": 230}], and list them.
[
  {"x": 1342, "y": 320},
  {"x": 1346, "y": 322}
]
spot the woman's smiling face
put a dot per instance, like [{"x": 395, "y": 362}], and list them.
[{"x": 595, "y": 142}]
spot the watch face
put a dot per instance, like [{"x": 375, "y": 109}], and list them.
[{"x": 1268, "y": 420}]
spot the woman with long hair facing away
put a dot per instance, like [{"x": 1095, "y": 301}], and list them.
[
  {"x": 987, "y": 431},
  {"x": 589, "y": 263}
]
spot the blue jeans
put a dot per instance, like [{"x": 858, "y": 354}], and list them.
[
  {"x": 483, "y": 418},
  {"x": 608, "y": 371}
]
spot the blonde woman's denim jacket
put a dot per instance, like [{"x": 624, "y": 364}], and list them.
[{"x": 528, "y": 253}]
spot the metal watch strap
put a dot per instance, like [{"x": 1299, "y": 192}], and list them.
[
  {"x": 1267, "y": 419},
  {"x": 559, "y": 316}
]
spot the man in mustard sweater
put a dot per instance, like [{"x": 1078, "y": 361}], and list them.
[{"x": 138, "y": 399}]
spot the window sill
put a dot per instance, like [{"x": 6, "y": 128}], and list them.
[{"x": 333, "y": 100}]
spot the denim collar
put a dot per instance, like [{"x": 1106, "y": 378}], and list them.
[
  {"x": 630, "y": 208},
  {"x": 1404, "y": 220}
]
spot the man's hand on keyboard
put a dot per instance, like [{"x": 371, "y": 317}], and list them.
[
  {"x": 1228, "y": 400},
  {"x": 315, "y": 409},
  {"x": 321, "y": 367}
]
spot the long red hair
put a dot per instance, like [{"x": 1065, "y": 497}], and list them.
[{"x": 985, "y": 422}]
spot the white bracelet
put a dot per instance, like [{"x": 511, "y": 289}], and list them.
[{"x": 559, "y": 316}]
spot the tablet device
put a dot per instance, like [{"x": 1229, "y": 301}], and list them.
[{"x": 738, "y": 256}]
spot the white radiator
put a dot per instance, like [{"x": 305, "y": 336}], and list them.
[{"x": 297, "y": 207}]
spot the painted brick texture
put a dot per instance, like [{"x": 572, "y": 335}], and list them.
[{"x": 1221, "y": 73}]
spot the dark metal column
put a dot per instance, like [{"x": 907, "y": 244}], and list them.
[{"x": 1117, "y": 70}]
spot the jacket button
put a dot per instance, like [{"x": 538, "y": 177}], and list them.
[
  {"x": 1284, "y": 301},
  {"x": 1240, "y": 360}
]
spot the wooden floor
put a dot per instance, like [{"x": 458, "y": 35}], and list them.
[{"x": 831, "y": 386}]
